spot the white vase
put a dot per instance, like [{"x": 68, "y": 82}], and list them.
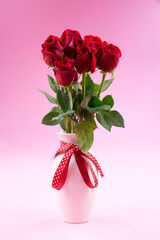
[{"x": 75, "y": 198}]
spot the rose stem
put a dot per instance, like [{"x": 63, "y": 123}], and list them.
[
  {"x": 72, "y": 126},
  {"x": 102, "y": 82},
  {"x": 83, "y": 84},
  {"x": 65, "y": 122},
  {"x": 69, "y": 90},
  {"x": 67, "y": 125}
]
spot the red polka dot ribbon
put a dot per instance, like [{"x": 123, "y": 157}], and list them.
[{"x": 82, "y": 159}]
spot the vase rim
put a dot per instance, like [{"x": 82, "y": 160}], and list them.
[
  {"x": 64, "y": 133},
  {"x": 67, "y": 137}
]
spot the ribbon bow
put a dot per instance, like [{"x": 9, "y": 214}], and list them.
[{"x": 82, "y": 160}]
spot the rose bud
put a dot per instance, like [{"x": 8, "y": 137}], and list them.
[
  {"x": 65, "y": 72},
  {"x": 109, "y": 58},
  {"x": 70, "y": 40},
  {"x": 85, "y": 60},
  {"x": 52, "y": 50}
]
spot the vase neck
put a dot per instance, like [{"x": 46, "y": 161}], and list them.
[{"x": 67, "y": 137}]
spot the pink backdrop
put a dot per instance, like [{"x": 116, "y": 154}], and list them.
[{"x": 128, "y": 199}]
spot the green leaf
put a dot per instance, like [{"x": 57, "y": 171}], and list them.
[
  {"x": 108, "y": 100},
  {"x": 89, "y": 85},
  {"x": 49, "y": 97},
  {"x": 77, "y": 86},
  {"x": 85, "y": 102},
  {"x": 102, "y": 119},
  {"x": 62, "y": 124},
  {"x": 98, "y": 109},
  {"x": 96, "y": 89},
  {"x": 53, "y": 84},
  {"x": 95, "y": 102},
  {"x": 56, "y": 109},
  {"x": 59, "y": 111},
  {"x": 95, "y": 105},
  {"x": 114, "y": 118},
  {"x": 106, "y": 85},
  {"x": 54, "y": 112},
  {"x": 77, "y": 102},
  {"x": 90, "y": 117},
  {"x": 55, "y": 117},
  {"x": 84, "y": 134},
  {"x": 63, "y": 100}
]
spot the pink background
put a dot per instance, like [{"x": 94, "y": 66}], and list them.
[{"x": 128, "y": 198}]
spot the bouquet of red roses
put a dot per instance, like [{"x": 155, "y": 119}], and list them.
[{"x": 77, "y": 102}]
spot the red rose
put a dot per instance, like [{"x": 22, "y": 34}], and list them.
[
  {"x": 65, "y": 72},
  {"x": 99, "y": 50},
  {"x": 52, "y": 50},
  {"x": 70, "y": 40},
  {"x": 96, "y": 43},
  {"x": 85, "y": 60},
  {"x": 93, "y": 41},
  {"x": 109, "y": 58}
]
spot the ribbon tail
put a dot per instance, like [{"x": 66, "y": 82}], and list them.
[
  {"x": 84, "y": 172},
  {"x": 61, "y": 172},
  {"x": 94, "y": 160},
  {"x": 62, "y": 178}
]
